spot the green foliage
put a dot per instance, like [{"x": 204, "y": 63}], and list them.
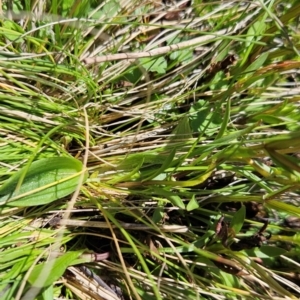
[
  {"x": 42, "y": 182},
  {"x": 158, "y": 65},
  {"x": 52, "y": 270},
  {"x": 12, "y": 31},
  {"x": 193, "y": 204},
  {"x": 181, "y": 115},
  {"x": 204, "y": 119},
  {"x": 238, "y": 220}
]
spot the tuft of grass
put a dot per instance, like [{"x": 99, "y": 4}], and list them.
[{"x": 182, "y": 120}]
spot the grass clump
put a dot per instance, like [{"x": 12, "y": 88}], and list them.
[{"x": 149, "y": 150}]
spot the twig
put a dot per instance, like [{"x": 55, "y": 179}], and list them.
[{"x": 162, "y": 50}]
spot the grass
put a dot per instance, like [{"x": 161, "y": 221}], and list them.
[{"x": 128, "y": 129}]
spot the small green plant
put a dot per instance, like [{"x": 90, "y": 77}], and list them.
[{"x": 149, "y": 150}]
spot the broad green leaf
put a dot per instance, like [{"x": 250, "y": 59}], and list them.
[
  {"x": 228, "y": 279},
  {"x": 9, "y": 30},
  {"x": 238, "y": 219},
  {"x": 180, "y": 56},
  {"x": 47, "y": 294},
  {"x": 111, "y": 8},
  {"x": 193, "y": 204},
  {"x": 53, "y": 270},
  {"x": 46, "y": 180},
  {"x": 296, "y": 238},
  {"x": 174, "y": 199},
  {"x": 159, "y": 212},
  {"x": 151, "y": 64},
  {"x": 202, "y": 119}
]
